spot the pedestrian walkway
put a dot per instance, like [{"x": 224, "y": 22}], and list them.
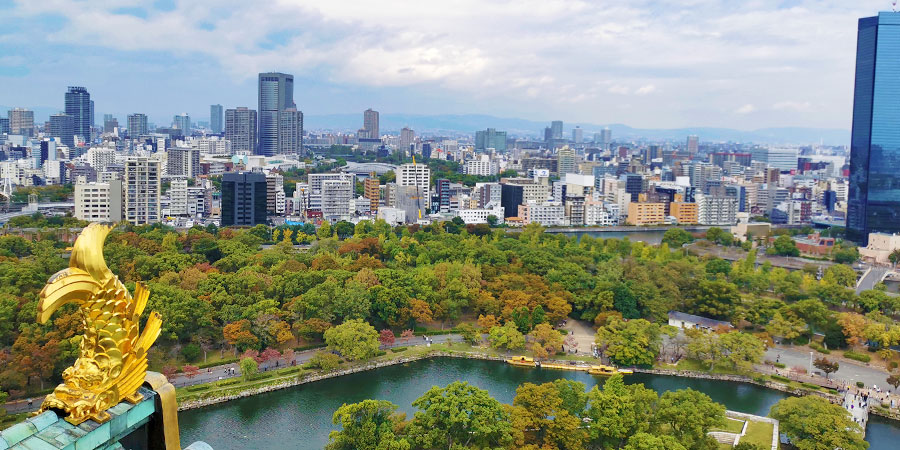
[{"x": 858, "y": 406}]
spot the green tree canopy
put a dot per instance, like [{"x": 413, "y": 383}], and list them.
[
  {"x": 355, "y": 339},
  {"x": 459, "y": 416},
  {"x": 813, "y": 423}
]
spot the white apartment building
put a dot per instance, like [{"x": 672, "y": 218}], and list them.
[
  {"x": 418, "y": 175},
  {"x": 99, "y": 202},
  {"x": 595, "y": 214},
  {"x": 213, "y": 146},
  {"x": 142, "y": 189},
  {"x": 275, "y": 193},
  {"x": 316, "y": 181},
  {"x": 717, "y": 210},
  {"x": 183, "y": 162},
  {"x": 100, "y": 158},
  {"x": 482, "y": 166},
  {"x": 547, "y": 213},
  {"x": 476, "y": 216},
  {"x": 187, "y": 201},
  {"x": 337, "y": 200}
]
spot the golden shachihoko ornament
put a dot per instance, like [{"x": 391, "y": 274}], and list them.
[{"x": 113, "y": 360}]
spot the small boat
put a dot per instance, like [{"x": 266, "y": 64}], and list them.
[
  {"x": 523, "y": 361},
  {"x": 608, "y": 370}
]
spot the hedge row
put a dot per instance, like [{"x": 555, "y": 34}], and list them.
[{"x": 857, "y": 356}]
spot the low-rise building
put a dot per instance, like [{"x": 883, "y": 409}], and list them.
[
  {"x": 640, "y": 214},
  {"x": 880, "y": 247},
  {"x": 99, "y": 202},
  {"x": 684, "y": 213}
]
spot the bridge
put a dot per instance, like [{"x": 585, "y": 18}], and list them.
[{"x": 858, "y": 407}]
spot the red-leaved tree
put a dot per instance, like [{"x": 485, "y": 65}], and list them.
[{"x": 386, "y": 337}]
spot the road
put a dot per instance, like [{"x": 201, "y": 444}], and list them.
[
  {"x": 734, "y": 254},
  {"x": 871, "y": 278},
  {"x": 848, "y": 372},
  {"x": 222, "y": 372}
]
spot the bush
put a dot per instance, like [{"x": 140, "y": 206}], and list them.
[
  {"x": 380, "y": 353},
  {"x": 814, "y": 387},
  {"x": 857, "y": 356},
  {"x": 860, "y": 384},
  {"x": 190, "y": 352},
  {"x": 780, "y": 365},
  {"x": 198, "y": 388},
  {"x": 399, "y": 349},
  {"x": 324, "y": 360},
  {"x": 228, "y": 382},
  {"x": 218, "y": 363},
  {"x": 260, "y": 376},
  {"x": 308, "y": 347},
  {"x": 781, "y": 378},
  {"x": 818, "y": 347},
  {"x": 894, "y": 365}
]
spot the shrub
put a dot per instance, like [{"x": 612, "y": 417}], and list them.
[
  {"x": 860, "y": 384},
  {"x": 380, "y": 353},
  {"x": 218, "y": 363},
  {"x": 814, "y": 387},
  {"x": 198, "y": 388},
  {"x": 324, "y": 360},
  {"x": 780, "y": 365},
  {"x": 857, "y": 356},
  {"x": 399, "y": 349},
  {"x": 308, "y": 347},
  {"x": 781, "y": 378},
  {"x": 894, "y": 364},
  {"x": 818, "y": 347}
]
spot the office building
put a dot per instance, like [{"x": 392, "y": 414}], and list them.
[
  {"x": 490, "y": 138},
  {"x": 142, "y": 190},
  {"x": 407, "y": 138},
  {"x": 4, "y": 125},
  {"x": 693, "y": 144},
  {"x": 183, "y": 162},
  {"x": 78, "y": 105},
  {"x": 276, "y": 94},
  {"x": 182, "y": 122},
  {"x": 566, "y": 161},
  {"x": 546, "y": 213},
  {"x": 216, "y": 119},
  {"x": 418, "y": 175},
  {"x": 243, "y": 199},
  {"x": 110, "y": 123},
  {"x": 684, "y": 213},
  {"x": 874, "y": 195},
  {"x": 137, "y": 125},
  {"x": 577, "y": 135},
  {"x": 482, "y": 166},
  {"x": 605, "y": 138},
  {"x": 337, "y": 200},
  {"x": 240, "y": 129},
  {"x": 99, "y": 202},
  {"x": 290, "y": 131},
  {"x": 372, "y": 191},
  {"x": 370, "y": 124},
  {"x": 783, "y": 159},
  {"x": 188, "y": 201},
  {"x": 556, "y": 129},
  {"x": 640, "y": 214},
  {"x": 21, "y": 122},
  {"x": 274, "y": 194},
  {"x": 62, "y": 126}
]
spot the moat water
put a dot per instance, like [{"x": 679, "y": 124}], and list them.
[{"x": 300, "y": 417}]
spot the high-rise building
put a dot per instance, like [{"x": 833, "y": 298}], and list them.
[
  {"x": 21, "y": 122},
  {"x": 874, "y": 197},
  {"x": 337, "y": 197},
  {"x": 418, "y": 175},
  {"x": 290, "y": 131},
  {"x": 182, "y": 122},
  {"x": 110, "y": 123},
  {"x": 216, "y": 118},
  {"x": 490, "y": 138},
  {"x": 240, "y": 129},
  {"x": 370, "y": 123},
  {"x": 99, "y": 202},
  {"x": 577, "y": 135},
  {"x": 183, "y": 162},
  {"x": 566, "y": 161},
  {"x": 407, "y": 138},
  {"x": 693, "y": 144},
  {"x": 62, "y": 126},
  {"x": 142, "y": 189},
  {"x": 372, "y": 191},
  {"x": 605, "y": 137},
  {"x": 556, "y": 129},
  {"x": 316, "y": 183},
  {"x": 137, "y": 125},
  {"x": 275, "y": 193},
  {"x": 243, "y": 199},
  {"x": 4, "y": 125},
  {"x": 78, "y": 105},
  {"x": 276, "y": 93}
]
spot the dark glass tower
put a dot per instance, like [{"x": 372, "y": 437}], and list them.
[
  {"x": 276, "y": 93},
  {"x": 78, "y": 105},
  {"x": 874, "y": 198}
]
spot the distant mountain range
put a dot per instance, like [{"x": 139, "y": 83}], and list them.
[
  {"x": 469, "y": 123},
  {"x": 449, "y": 124}
]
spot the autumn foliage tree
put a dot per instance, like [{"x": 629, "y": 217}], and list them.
[{"x": 386, "y": 337}]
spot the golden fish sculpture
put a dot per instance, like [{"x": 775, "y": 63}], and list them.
[{"x": 113, "y": 359}]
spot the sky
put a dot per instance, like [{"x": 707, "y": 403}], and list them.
[{"x": 651, "y": 64}]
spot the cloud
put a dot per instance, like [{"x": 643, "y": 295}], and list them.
[
  {"x": 746, "y": 109},
  {"x": 697, "y": 57}
]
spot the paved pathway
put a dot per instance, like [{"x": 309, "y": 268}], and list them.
[
  {"x": 848, "y": 373},
  {"x": 871, "y": 278},
  {"x": 224, "y": 371},
  {"x": 858, "y": 407},
  {"x": 584, "y": 335}
]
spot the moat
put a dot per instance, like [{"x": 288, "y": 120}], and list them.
[{"x": 300, "y": 417}]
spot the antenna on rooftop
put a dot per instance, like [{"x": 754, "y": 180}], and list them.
[{"x": 894, "y": 6}]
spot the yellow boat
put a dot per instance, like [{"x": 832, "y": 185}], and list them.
[
  {"x": 521, "y": 361},
  {"x": 608, "y": 370},
  {"x": 525, "y": 361}
]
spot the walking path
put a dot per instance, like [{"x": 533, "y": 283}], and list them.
[
  {"x": 848, "y": 373},
  {"x": 233, "y": 370},
  {"x": 858, "y": 407}
]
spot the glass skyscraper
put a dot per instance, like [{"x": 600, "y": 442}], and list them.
[
  {"x": 874, "y": 197},
  {"x": 78, "y": 105},
  {"x": 276, "y": 93}
]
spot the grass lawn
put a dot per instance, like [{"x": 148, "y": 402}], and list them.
[
  {"x": 759, "y": 433},
  {"x": 731, "y": 426}
]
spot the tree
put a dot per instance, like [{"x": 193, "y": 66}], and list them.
[
  {"x": 539, "y": 418},
  {"x": 508, "y": 337},
  {"x": 249, "y": 367},
  {"x": 894, "y": 257},
  {"x": 812, "y": 423},
  {"x": 785, "y": 246},
  {"x": 787, "y": 327},
  {"x": 368, "y": 425},
  {"x": 344, "y": 229},
  {"x": 704, "y": 346},
  {"x": 689, "y": 415},
  {"x": 190, "y": 371},
  {"x": 742, "y": 350},
  {"x": 407, "y": 335},
  {"x": 677, "y": 237},
  {"x": 826, "y": 365},
  {"x": 325, "y": 361},
  {"x": 492, "y": 220},
  {"x": 718, "y": 265},
  {"x": 169, "y": 371},
  {"x": 840, "y": 275},
  {"x": 716, "y": 299},
  {"x": 354, "y": 339},
  {"x": 459, "y": 416},
  {"x": 469, "y": 333},
  {"x": 190, "y": 352},
  {"x": 386, "y": 337},
  {"x": 324, "y": 230},
  {"x": 545, "y": 341},
  {"x": 635, "y": 342},
  {"x": 618, "y": 411},
  {"x": 646, "y": 441},
  {"x": 269, "y": 354},
  {"x": 893, "y": 380}
]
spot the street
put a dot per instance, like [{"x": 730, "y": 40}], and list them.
[{"x": 849, "y": 373}]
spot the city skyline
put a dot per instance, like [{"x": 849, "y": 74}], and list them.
[{"x": 682, "y": 64}]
